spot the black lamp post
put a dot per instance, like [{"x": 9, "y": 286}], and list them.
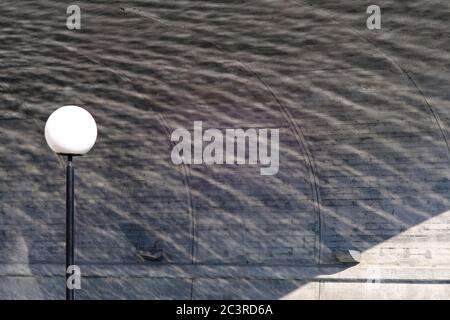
[
  {"x": 70, "y": 223},
  {"x": 70, "y": 131}
]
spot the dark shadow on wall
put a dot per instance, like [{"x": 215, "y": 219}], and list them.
[{"x": 363, "y": 156}]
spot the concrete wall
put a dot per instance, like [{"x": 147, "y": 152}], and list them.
[{"x": 364, "y": 149}]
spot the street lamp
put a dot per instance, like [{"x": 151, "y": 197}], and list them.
[{"x": 70, "y": 131}]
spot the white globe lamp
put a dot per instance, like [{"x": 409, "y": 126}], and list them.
[{"x": 71, "y": 130}]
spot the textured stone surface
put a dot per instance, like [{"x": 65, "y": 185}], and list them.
[{"x": 364, "y": 122}]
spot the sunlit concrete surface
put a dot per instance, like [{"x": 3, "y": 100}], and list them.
[{"x": 364, "y": 120}]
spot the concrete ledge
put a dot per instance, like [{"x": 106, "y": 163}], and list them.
[{"x": 226, "y": 282}]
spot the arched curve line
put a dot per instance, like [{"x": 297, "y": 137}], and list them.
[
  {"x": 397, "y": 65},
  {"x": 403, "y": 71},
  {"x": 294, "y": 127}
]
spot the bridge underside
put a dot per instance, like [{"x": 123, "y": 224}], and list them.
[{"x": 364, "y": 118}]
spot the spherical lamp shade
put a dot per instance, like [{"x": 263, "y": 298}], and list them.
[{"x": 71, "y": 130}]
